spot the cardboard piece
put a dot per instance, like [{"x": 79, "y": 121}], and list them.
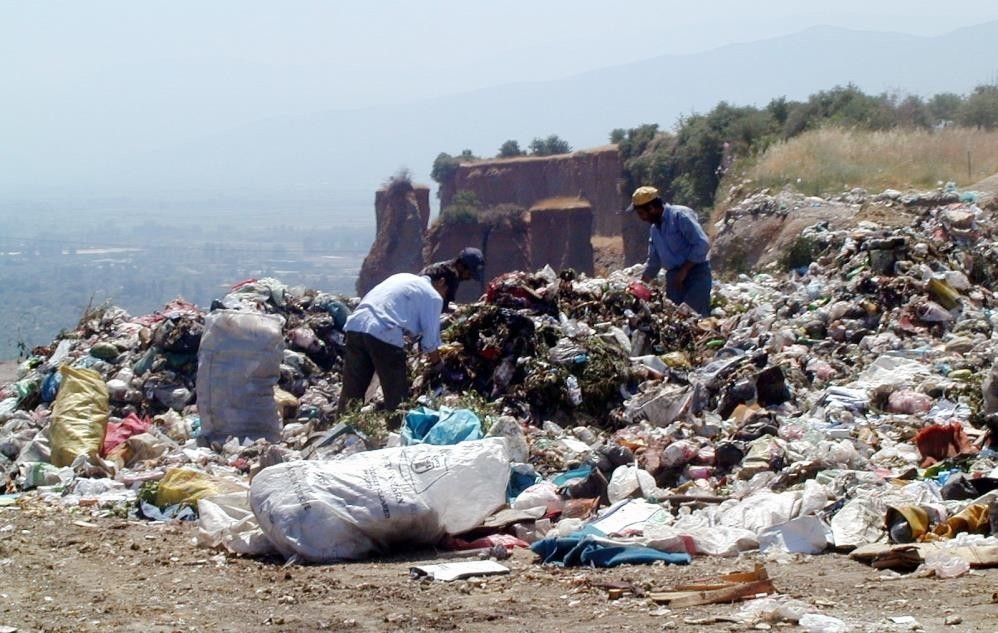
[
  {"x": 454, "y": 571},
  {"x": 727, "y": 588}
]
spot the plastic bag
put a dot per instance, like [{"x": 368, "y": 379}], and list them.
[
  {"x": 226, "y": 520},
  {"x": 775, "y": 609},
  {"x": 187, "y": 486},
  {"x": 567, "y": 352},
  {"x": 679, "y": 453},
  {"x": 50, "y": 386},
  {"x": 118, "y": 432},
  {"x": 946, "y": 565},
  {"x": 79, "y": 416},
  {"x": 803, "y": 535},
  {"x": 447, "y": 426},
  {"x": 544, "y": 494},
  {"x": 627, "y": 480},
  {"x": 909, "y": 402},
  {"x": 860, "y": 521},
  {"x": 508, "y": 428},
  {"x": 33, "y": 474},
  {"x": 238, "y": 365},
  {"x": 364, "y": 503},
  {"x": 818, "y": 623}
]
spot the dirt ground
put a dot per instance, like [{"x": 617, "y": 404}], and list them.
[
  {"x": 68, "y": 571},
  {"x": 8, "y": 371}
]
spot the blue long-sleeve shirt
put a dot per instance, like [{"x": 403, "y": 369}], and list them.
[
  {"x": 402, "y": 304},
  {"x": 676, "y": 240}
]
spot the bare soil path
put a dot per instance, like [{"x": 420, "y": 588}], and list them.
[{"x": 67, "y": 571}]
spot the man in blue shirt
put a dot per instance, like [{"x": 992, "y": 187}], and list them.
[
  {"x": 677, "y": 243},
  {"x": 404, "y": 304},
  {"x": 469, "y": 264}
]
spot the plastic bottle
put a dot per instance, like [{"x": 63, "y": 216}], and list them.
[{"x": 574, "y": 391}]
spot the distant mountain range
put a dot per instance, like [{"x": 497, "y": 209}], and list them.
[{"x": 360, "y": 148}]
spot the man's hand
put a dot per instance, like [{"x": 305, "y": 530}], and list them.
[
  {"x": 679, "y": 279},
  {"x": 434, "y": 365}
]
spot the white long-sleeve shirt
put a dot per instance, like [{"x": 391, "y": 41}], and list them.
[{"x": 402, "y": 304}]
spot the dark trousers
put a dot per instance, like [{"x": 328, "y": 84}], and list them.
[
  {"x": 366, "y": 355},
  {"x": 696, "y": 288}
]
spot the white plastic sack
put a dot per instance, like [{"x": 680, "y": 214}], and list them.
[
  {"x": 860, "y": 521},
  {"x": 660, "y": 407},
  {"x": 509, "y": 428},
  {"x": 803, "y": 535},
  {"x": 702, "y": 537},
  {"x": 364, "y": 503},
  {"x": 760, "y": 510},
  {"x": 239, "y": 363},
  {"x": 226, "y": 520},
  {"x": 627, "y": 480},
  {"x": 540, "y": 495},
  {"x": 892, "y": 371}
]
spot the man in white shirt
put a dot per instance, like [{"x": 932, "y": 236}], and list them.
[{"x": 404, "y": 304}]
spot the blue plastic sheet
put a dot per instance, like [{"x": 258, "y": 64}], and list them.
[
  {"x": 521, "y": 477},
  {"x": 578, "y": 474},
  {"x": 50, "y": 387},
  {"x": 335, "y": 308},
  {"x": 444, "y": 427},
  {"x": 583, "y": 549}
]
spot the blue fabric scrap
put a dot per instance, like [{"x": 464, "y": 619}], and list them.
[{"x": 583, "y": 549}]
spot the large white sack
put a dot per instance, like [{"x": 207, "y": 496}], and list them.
[
  {"x": 226, "y": 520},
  {"x": 362, "y": 504},
  {"x": 239, "y": 362}
]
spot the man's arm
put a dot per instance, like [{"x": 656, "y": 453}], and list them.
[
  {"x": 694, "y": 235},
  {"x": 653, "y": 264},
  {"x": 679, "y": 278},
  {"x": 429, "y": 322}
]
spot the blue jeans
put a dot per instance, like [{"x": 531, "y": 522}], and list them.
[{"x": 696, "y": 288}]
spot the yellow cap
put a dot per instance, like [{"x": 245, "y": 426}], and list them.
[{"x": 643, "y": 195}]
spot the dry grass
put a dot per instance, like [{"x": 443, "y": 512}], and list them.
[{"x": 832, "y": 159}]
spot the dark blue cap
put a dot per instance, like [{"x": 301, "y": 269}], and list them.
[{"x": 474, "y": 261}]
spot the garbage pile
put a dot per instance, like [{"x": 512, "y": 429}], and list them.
[{"x": 849, "y": 403}]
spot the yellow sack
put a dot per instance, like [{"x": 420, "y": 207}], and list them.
[
  {"x": 287, "y": 404},
  {"x": 973, "y": 519},
  {"x": 945, "y": 295},
  {"x": 183, "y": 485},
  {"x": 79, "y": 416}
]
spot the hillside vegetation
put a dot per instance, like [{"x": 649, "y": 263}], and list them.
[
  {"x": 687, "y": 165},
  {"x": 832, "y": 159}
]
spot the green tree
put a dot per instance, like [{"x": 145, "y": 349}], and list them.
[
  {"x": 779, "y": 109},
  {"x": 549, "y": 146},
  {"x": 912, "y": 111},
  {"x": 444, "y": 168},
  {"x": 944, "y": 108},
  {"x": 617, "y": 135},
  {"x": 509, "y": 149},
  {"x": 445, "y": 165},
  {"x": 980, "y": 110},
  {"x": 463, "y": 209}
]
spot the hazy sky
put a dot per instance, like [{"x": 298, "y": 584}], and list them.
[
  {"x": 93, "y": 82},
  {"x": 434, "y": 46}
]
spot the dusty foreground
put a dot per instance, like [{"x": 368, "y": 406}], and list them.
[{"x": 71, "y": 572}]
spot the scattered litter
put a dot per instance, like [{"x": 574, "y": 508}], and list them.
[
  {"x": 847, "y": 403},
  {"x": 727, "y": 588},
  {"x": 455, "y": 571}
]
